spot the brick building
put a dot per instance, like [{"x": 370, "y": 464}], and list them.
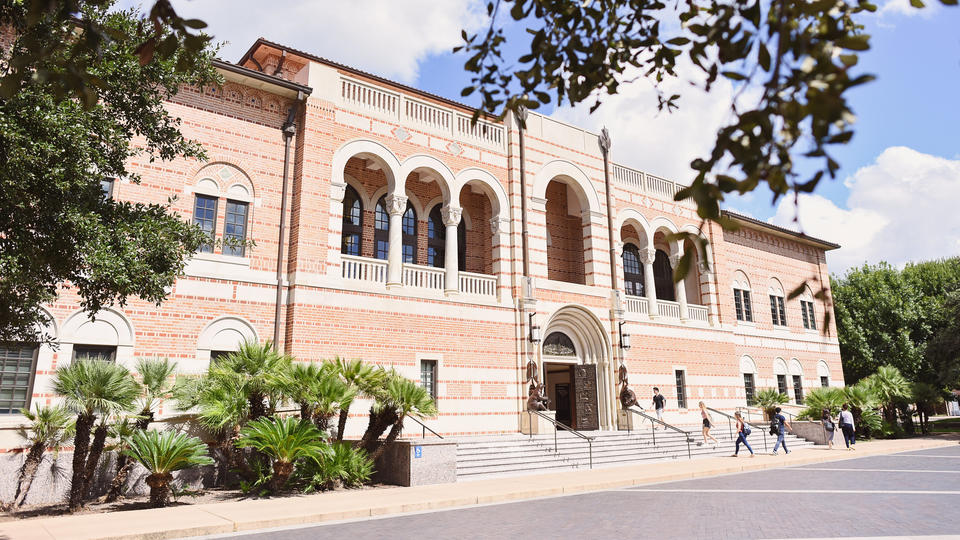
[{"x": 402, "y": 243}]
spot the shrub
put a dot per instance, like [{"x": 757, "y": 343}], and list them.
[
  {"x": 284, "y": 442},
  {"x": 344, "y": 466},
  {"x": 49, "y": 427},
  {"x": 768, "y": 399},
  {"x": 162, "y": 454},
  {"x": 829, "y": 398}
]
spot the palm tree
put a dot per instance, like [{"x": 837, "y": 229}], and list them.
[
  {"x": 862, "y": 400},
  {"x": 333, "y": 394},
  {"x": 262, "y": 369},
  {"x": 344, "y": 465},
  {"x": 156, "y": 376},
  {"x": 49, "y": 427},
  {"x": 889, "y": 386},
  {"x": 768, "y": 399},
  {"x": 284, "y": 441},
  {"x": 162, "y": 453},
  {"x": 362, "y": 379},
  {"x": 121, "y": 432},
  {"x": 91, "y": 388},
  {"x": 300, "y": 385},
  {"x": 830, "y": 398},
  {"x": 403, "y": 398}
]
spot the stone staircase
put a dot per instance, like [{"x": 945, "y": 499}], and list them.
[{"x": 518, "y": 454}]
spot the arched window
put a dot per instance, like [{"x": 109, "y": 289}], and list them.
[
  {"x": 632, "y": 271},
  {"x": 381, "y": 230},
  {"x": 559, "y": 344},
  {"x": 663, "y": 277},
  {"x": 436, "y": 238},
  {"x": 410, "y": 234},
  {"x": 352, "y": 223}
]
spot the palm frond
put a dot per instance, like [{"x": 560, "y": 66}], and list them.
[
  {"x": 96, "y": 387},
  {"x": 51, "y": 426},
  {"x": 286, "y": 439},
  {"x": 167, "y": 451}
]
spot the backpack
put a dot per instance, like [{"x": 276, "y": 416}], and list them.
[
  {"x": 828, "y": 425},
  {"x": 775, "y": 426},
  {"x": 746, "y": 430}
]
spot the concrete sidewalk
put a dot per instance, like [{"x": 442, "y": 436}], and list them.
[{"x": 203, "y": 519}]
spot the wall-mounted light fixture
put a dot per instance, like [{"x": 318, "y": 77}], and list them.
[
  {"x": 624, "y": 338},
  {"x": 534, "y": 331}
]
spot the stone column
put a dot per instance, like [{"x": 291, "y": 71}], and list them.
[
  {"x": 451, "y": 218},
  {"x": 334, "y": 240},
  {"x": 647, "y": 256},
  {"x": 500, "y": 229},
  {"x": 680, "y": 287},
  {"x": 396, "y": 205}
]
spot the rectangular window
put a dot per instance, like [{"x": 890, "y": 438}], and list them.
[
  {"x": 428, "y": 377},
  {"x": 803, "y": 312},
  {"x": 18, "y": 363},
  {"x": 738, "y": 303},
  {"x": 94, "y": 352},
  {"x": 382, "y": 249},
  {"x": 106, "y": 187},
  {"x": 809, "y": 319},
  {"x": 205, "y": 216},
  {"x": 681, "y": 389},
  {"x": 235, "y": 228},
  {"x": 813, "y": 318},
  {"x": 798, "y": 389},
  {"x": 749, "y": 388},
  {"x": 824, "y": 381},
  {"x": 217, "y": 355},
  {"x": 777, "y": 312},
  {"x": 782, "y": 384},
  {"x": 747, "y": 307}
]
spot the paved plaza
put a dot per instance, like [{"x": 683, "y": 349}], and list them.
[{"x": 907, "y": 494}]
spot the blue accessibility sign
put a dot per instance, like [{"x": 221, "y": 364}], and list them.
[{"x": 418, "y": 451}]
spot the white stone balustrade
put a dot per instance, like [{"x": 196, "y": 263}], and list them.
[
  {"x": 637, "y": 304},
  {"x": 423, "y": 277},
  {"x": 698, "y": 313},
  {"x": 668, "y": 309},
  {"x": 364, "y": 269},
  {"x": 478, "y": 284}
]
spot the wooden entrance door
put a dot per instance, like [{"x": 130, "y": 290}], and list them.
[{"x": 585, "y": 414}]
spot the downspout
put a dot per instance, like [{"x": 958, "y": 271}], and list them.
[
  {"x": 522, "y": 124},
  {"x": 289, "y": 130}
]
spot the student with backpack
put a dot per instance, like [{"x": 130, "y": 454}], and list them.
[
  {"x": 777, "y": 427},
  {"x": 828, "y": 426},
  {"x": 742, "y": 431},
  {"x": 846, "y": 425}
]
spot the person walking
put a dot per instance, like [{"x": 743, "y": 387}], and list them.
[
  {"x": 658, "y": 404},
  {"x": 742, "y": 431},
  {"x": 780, "y": 424},
  {"x": 846, "y": 425},
  {"x": 707, "y": 424},
  {"x": 828, "y": 427}
]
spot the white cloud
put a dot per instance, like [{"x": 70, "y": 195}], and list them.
[
  {"x": 903, "y": 8},
  {"x": 386, "y": 37},
  {"x": 660, "y": 143},
  {"x": 901, "y": 208}
]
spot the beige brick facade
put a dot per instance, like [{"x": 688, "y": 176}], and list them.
[{"x": 385, "y": 140}]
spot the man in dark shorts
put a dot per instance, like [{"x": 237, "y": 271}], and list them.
[{"x": 658, "y": 403}]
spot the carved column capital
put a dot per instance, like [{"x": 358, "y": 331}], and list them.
[
  {"x": 451, "y": 215},
  {"x": 647, "y": 256},
  {"x": 499, "y": 225},
  {"x": 338, "y": 191},
  {"x": 396, "y": 204},
  {"x": 674, "y": 259}
]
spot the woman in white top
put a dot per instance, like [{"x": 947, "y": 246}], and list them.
[
  {"x": 707, "y": 424},
  {"x": 846, "y": 425}
]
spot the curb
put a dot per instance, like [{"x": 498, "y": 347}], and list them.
[{"x": 236, "y": 516}]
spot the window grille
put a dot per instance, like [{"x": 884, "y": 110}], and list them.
[
  {"x": 681, "y": 389},
  {"x": 18, "y": 364}
]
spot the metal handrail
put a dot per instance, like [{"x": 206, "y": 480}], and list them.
[
  {"x": 748, "y": 409},
  {"x": 653, "y": 429},
  {"x": 425, "y": 428},
  {"x": 731, "y": 418},
  {"x": 556, "y": 425}
]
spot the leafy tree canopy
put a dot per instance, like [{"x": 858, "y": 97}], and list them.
[
  {"x": 905, "y": 318},
  {"x": 800, "y": 57},
  {"x": 56, "y": 225}
]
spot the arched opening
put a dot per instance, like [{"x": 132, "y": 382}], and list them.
[
  {"x": 352, "y": 226},
  {"x": 632, "y": 271},
  {"x": 436, "y": 238},
  {"x": 410, "y": 234},
  {"x": 565, "y": 258},
  {"x": 381, "y": 230},
  {"x": 663, "y": 277},
  {"x": 691, "y": 281},
  {"x": 477, "y": 242}
]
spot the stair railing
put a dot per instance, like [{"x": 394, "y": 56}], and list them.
[
  {"x": 731, "y": 419},
  {"x": 556, "y": 427},
  {"x": 425, "y": 429},
  {"x": 653, "y": 429}
]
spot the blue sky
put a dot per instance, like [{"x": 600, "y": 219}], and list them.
[{"x": 900, "y": 176}]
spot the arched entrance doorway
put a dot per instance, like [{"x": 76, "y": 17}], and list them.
[{"x": 574, "y": 355}]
